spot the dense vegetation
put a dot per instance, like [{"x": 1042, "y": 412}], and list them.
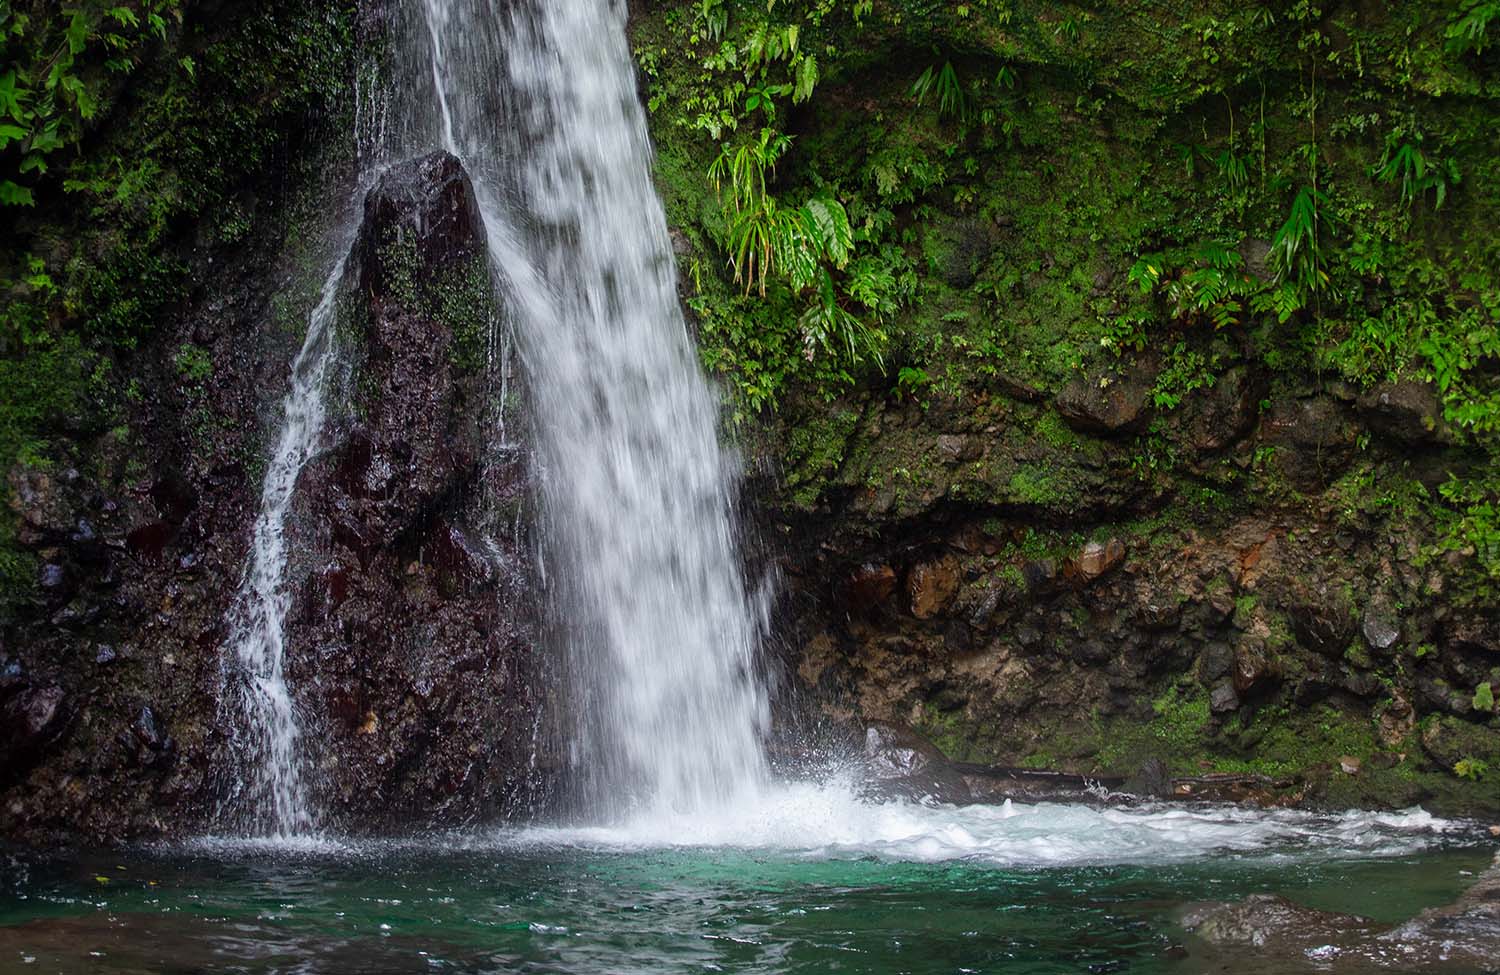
[
  {"x": 927, "y": 195},
  {"x": 132, "y": 136},
  {"x": 935, "y": 207}
]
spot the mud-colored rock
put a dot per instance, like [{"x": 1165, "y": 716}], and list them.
[
  {"x": 869, "y": 586},
  {"x": 1095, "y": 560},
  {"x": 1109, "y": 400},
  {"x": 931, "y": 586}
]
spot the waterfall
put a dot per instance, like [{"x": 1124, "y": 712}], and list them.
[
  {"x": 659, "y": 634},
  {"x": 648, "y": 596},
  {"x": 272, "y": 798}
]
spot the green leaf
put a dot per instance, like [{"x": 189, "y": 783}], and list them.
[
  {"x": 11, "y": 133},
  {"x": 77, "y": 33},
  {"x": 14, "y": 196}
]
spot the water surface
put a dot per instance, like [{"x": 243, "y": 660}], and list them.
[{"x": 1046, "y": 889}]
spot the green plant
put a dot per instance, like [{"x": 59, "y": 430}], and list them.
[
  {"x": 1468, "y": 31},
  {"x": 1484, "y": 697},
  {"x": 1473, "y": 769},
  {"x": 52, "y": 85},
  {"x": 1405, "y": 164},
  {"x": 1296, "y": 251},
  {"x": 940, "y": 83}
]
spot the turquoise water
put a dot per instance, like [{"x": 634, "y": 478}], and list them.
[{"x": 560, "y": 902}]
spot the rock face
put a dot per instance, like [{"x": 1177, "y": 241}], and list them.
[
  {"x": 1109, "y": 401},
  {"x": 1046, "y": 597},
  {"x": 412, "y": 635},
  {"x": 415, "y": 608}
]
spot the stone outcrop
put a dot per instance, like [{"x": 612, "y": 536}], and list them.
[{"x": 412, "y": 627}]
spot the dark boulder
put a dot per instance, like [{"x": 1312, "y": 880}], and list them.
[
  {"x": 1315, "y": 440},
  {"x": 1113, "y": 399},
  {"x": 1408, "y": 412},
  {"x": 1226, "y": 412},
  {"x": 900, "y": 762},
  {"x": 31, "y": 719},
  {"x": 421, "y": 220}
]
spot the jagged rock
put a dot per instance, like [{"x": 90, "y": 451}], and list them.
[
  {"x": 1406, "y": 411},
  {"x": 31, "y": 717},
  {"x": 1224, "y": 698},
  {"x": 1381, "y": 626},
  {"x": 1095, "y": 560},
  {"x": 147, "y": 741},
  {"x": 1109, "y": 400},
  {"x": 931, "y": 586},
  {"x": 899, "y": 761},
  {"x": 1322, "y": 619},
  {"x": 1226, "y": 412},
  {"x": 1252, "y": 668}
]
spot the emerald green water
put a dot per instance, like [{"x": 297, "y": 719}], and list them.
[{"x": 518, "y": 904}]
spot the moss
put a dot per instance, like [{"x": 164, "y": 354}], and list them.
[{"x": 815, "y": 451}]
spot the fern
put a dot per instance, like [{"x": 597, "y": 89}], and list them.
[
  {"x": 1469, "y": 31},
  {"x": 941, "y": 84}
]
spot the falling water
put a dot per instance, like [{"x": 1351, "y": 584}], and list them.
[
  {"x": 273, "y": 798},
  {"x": 540, "y": 103},
  {"x": 538, "y": 100}
]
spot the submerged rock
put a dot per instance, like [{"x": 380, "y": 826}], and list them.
[{"x": 1460, "y": 937}]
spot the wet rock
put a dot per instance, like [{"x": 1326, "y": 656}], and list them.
[
  {"x": 1263, "y": 920},
  {"x": 869, "y": 586},
  {"x": 1349, "y": 765},
  {"x": 149, "y": 540},
  {"x": 955, "y": 449},
  {"x": 1152, "y": 781},
  {"x": 1095, "y": 560},
  {"x": 1226, "y": 412},
  {"x": 1039, "y": 574},
  {"x": 31, "y": 718},
  {"x": 427, "y": 204},
  {"x": 1215, "y": 663},
  {"x": 1322, "y": 619},
  {"x": 1109, "y": 400},
  {"x": 1381, "y": 626},
  {"x": 147, "y": 741},
  {"x": 1224, "y": 698},
  {"x": 1407, "y": 411},
  {"x": 931, "y": 586},
  {"x": 1460, "y": 937},
  {"x": 899, "y": 761},
  {"x": 1252, "y": 668}
]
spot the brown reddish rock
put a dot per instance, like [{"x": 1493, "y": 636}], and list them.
[
  {"x": 1095, "y": 560},
  {"x": 931, "y": 586}
]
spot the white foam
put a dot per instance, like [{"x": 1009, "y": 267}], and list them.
[{"x": 829, "y": 821}]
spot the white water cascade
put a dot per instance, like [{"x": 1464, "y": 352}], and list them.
[
  {"x": 272, "y": 798},
  {"x": 539, "y": 101}
]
